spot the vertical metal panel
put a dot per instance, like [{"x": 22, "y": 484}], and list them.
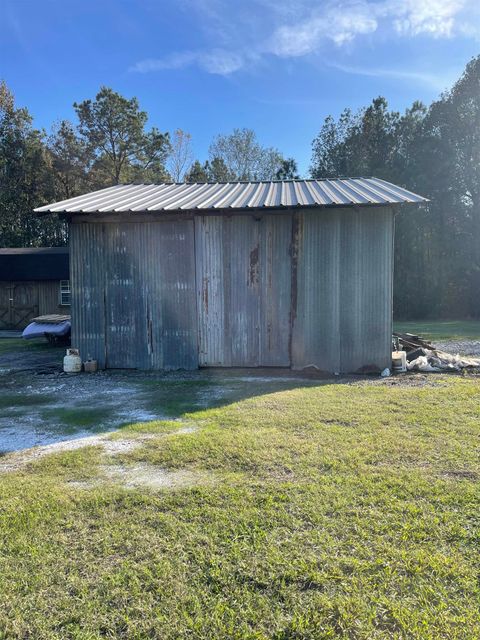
[
  {"x": 87, "y": 282},
  {"x": 366, "y": 290},
  {"x": 275, "y": 296},
  {"x": 241, "y": 238},
  {"x": 315, "y": 332},
  {"x": 210, "y": 285},
  {"x": 124, "y": 327},
  {"x": 243, "y": 290},
  {"x": 133, "y": 302},
  {"x": 175, "y": 282},
  {"x": 343, "y": 314}
]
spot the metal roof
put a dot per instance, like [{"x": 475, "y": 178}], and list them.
[
  {"x": 235, "y": 196},
  {"x": 34, "y": 263}
]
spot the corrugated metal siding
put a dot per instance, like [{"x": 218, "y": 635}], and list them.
[
  {"x": 134, "y": 294},
  {"x": 343, "y": 314},
  {"x": 210, "y": 288},
  {"x": 243, "y": 290},
  {"x": 237, "y": 196},
  {"x": 366, "y": 291},
  {"x": 87, "y": 284},
  {"x": 275, "y": 295},
  {"x": 302, "y": 290},
  {"x": 315, "y": 332}
]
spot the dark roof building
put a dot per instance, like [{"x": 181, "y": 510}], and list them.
[
  {"x": 292, "y": 273},
  {"x": 33, "y": 281}
]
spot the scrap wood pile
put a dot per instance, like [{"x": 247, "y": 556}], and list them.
[{"x": 423, "y": 356}]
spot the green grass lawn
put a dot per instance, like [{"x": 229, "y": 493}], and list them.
[
  {"x": 324, "y": 511},
  {"x": 441, "y": 329}
]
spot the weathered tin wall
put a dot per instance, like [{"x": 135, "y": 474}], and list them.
[
  {"x": 134, "y": 293},
  {"x": 342, "y": 304},
  {"x": 87, "y": 285},
  {"x": 243, "y": 290},
  {"x": 312, "y": 288}
]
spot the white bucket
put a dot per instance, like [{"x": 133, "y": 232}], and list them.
[{"x": 399, "y": 361}]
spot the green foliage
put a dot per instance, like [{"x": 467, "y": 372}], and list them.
[
  {"x": 113, "y": 128},
  {"x": 288, "y": 170},
  {"x": 71, "y": 159},
  {"x": 210, "y": 171},
  {"x": 197, "y": 173},
  {"x": 25, "y": 179}
]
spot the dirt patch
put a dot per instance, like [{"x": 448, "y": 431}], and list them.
[
  {"x": 459, "y": 474},
  {"x": 111, "y": 446},
  {"x": 145, "y": 475}
]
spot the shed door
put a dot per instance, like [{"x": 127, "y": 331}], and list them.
[
  {"x": 150, "y": 295},
  {"x": 18, "y": 304},
  {"x": 243, "y": 290}
]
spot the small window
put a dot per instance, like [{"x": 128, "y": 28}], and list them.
[{"x": 65, "y": 292}]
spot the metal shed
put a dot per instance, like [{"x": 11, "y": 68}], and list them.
[{"x": 248, "y": 274}]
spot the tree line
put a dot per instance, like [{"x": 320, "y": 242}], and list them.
[{"x": 434, "y": 150}]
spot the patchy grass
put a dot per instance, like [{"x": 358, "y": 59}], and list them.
[
  {"x": 441, "y": 329},
  {"x": 87, "y": 417},
  {"x": 13, "y": 400},
  {"x": 337, "y": 511},
  {"x": 8, "y": 345}
]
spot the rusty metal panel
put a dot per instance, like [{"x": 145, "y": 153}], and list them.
[
  {"x": 275, "y": 296},
  {"x": 366, "y": 290},
  {"x": 243, "y": 290},
  {"x": 87, "y": 284},
  {"x": 241, "y": 238},
  {"x": 315, "y": 300},
  {"x": 210, "y": 285}
]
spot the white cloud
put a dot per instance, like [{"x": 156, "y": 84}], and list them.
[
  {"x": 306, "y": 36},
  {"x": 172, "y": 61},
  {"x": 343, "y": 22},
  {"x": 216, "y": 61},
  {"x": 438, "y": 18},
  {"x": 438, "y": 82},
  {"x": 295, "y": 28},
  {"x": 221, "y": 62}
]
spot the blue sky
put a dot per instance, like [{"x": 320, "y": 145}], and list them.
[{"x": 207, "y": 66}]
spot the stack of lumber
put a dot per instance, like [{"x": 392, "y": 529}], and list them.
[{"x": 410, "y": 342}]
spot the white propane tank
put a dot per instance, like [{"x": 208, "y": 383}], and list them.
[{"x": 72, "y": 363}]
